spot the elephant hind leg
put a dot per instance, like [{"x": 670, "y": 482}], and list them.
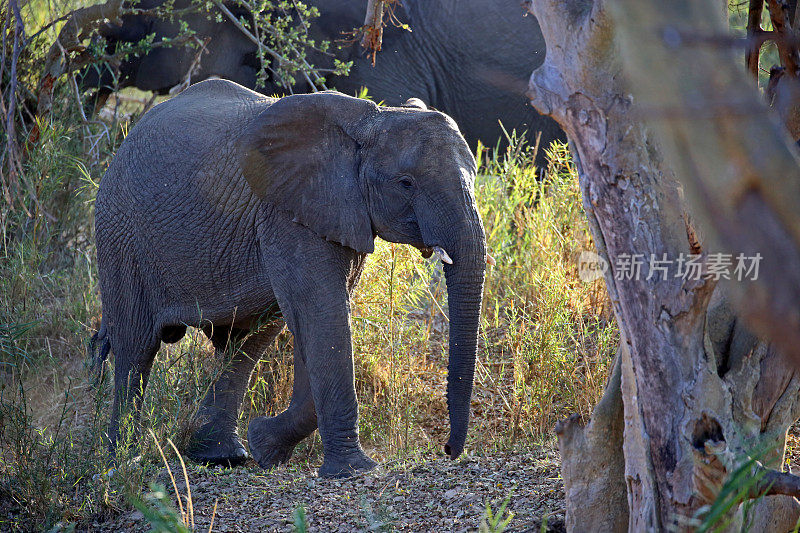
[
  {"x": 129, "y": 330},
  {"x": 216, "y": 441},
  {"x": 132, "y": 363}
]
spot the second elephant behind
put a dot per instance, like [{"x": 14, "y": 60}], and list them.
[{"x": 470, "y": 59}]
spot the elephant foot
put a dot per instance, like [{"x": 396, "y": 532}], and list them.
[
  {"x": 343, "y": 466},
  {"x": 212, "y": 447},
  {"x": 270, "y": 442}
]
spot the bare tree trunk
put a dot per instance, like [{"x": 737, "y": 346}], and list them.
[
  {"x": 699, "y": 393},
  {"x": 592, "y": 463}
]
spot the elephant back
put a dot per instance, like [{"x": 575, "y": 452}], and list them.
[
  {"x": 202, "y": 114},
  {"x": 175, "y": 173},
  {"x": 179, "y": 142}
]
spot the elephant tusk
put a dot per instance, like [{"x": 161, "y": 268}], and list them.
[
  {"x": 490, "y": 260},
  {"x": 441, "y": 254}
]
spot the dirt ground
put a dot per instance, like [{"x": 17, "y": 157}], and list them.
[{"x": 433, "y": 494}]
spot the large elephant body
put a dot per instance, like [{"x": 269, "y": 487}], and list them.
[
  {"x": 470, "y": 60},
  {"x": 234, "y": 212}
]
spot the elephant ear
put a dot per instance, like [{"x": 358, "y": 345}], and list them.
[{"x": 301, "y": 156}]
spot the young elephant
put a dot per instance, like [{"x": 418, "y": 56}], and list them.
[{"x": 223, "y": 206}]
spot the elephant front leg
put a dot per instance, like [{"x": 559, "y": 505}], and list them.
[
  {"x": 310, "y": 278},
  {"x": 216, "y": 440},
  {"x": 323, "y": 395},
  {"x": 330, "y": 366}
]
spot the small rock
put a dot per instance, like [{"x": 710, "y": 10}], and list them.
[{"x": 450, "y": 494}]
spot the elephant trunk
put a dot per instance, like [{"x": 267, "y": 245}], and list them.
[{"x": 464, "y": 278}]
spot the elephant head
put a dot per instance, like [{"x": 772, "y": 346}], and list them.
[{"x": 350, "y": 170}]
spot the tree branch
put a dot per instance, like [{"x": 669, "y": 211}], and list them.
[
  {"x": 779, "y": 15},
  {"x": 268, "y": 50},
  {"x": 372, "y": 38},
  {"x": 774, "y": 482},
  {"x": 753, "y": 31},
  {"x": 11, "y": 187},
  {"x": 58, "y": 61}
]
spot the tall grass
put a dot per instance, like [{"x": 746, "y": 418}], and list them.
[{"x": 549, "y": 335}]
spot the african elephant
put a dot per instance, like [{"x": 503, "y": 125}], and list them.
[
  {"x": 471, "y": 60},
  {"x": 226, "y": 210}
]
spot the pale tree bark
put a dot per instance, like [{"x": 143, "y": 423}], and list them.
[
  {"x": 734, "y": 158},
  {"x": 698, "y": 391},
  {"x": 592, "y": 463}
]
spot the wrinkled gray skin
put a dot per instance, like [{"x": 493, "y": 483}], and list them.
[
  {"x": 225, "y": 209},
  {"x": 471, "y": 60}
]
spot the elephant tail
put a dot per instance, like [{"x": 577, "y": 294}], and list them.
[{"x": 99, "y": 346}]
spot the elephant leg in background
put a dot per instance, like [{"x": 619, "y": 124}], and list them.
[
  {"x": 216, "y": 441},
  {"x": 272, "y": 439}
]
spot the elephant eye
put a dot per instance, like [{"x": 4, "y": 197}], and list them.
[{"x": 406, "y": 182}]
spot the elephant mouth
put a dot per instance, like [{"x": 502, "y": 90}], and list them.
[{"x": 427, "y": 251}]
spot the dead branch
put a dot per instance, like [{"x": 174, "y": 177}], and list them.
[
  {"x": 374, "y": 22},
  {"x": 789, "y": 56},
  {"x": 774, "y": 482},
  {"x": 372, "y": 37}
]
